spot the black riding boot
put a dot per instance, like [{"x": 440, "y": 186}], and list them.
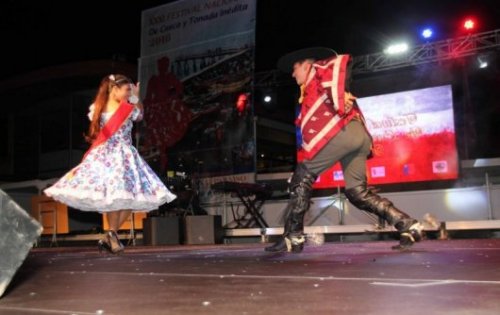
[
  {"x": 294, "y": 226},
  {"x": 366, "y": 199},
  {"x": 293, "y": 237},
  {"x": 280, "y": 245}
]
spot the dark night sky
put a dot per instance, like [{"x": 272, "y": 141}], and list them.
[{"x": 36, "y": 34}]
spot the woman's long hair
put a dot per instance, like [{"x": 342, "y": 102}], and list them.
[{"x": 101, "y": 99}]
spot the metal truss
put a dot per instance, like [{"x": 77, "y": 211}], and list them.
[{"x": 428, "y": 52}]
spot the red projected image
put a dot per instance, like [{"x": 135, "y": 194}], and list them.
[{"x": 413, "y": 138}]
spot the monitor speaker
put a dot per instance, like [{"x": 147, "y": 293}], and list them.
[
  {"x": 161, "y": 230},
  {"x": 203, "y": 229},
  {"x": 18, "y": 233}
]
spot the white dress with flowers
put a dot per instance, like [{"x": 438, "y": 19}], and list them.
[{"x": 113, "y": 176}]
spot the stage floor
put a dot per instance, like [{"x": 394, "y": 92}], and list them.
[{"x": 435, "y": 277}]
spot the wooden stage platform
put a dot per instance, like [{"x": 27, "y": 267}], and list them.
[{"x": 435, "y": 277}]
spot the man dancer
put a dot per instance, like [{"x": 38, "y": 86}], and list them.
[{"x": 332, "y": 129}]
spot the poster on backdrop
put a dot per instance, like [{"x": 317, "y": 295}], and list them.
[
  {"x": 413, "y": 138},
  {"x": 197, "y": 60},
  {"x": 188, "y": 22}
]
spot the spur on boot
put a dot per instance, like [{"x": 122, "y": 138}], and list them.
[
  {"x": 410, "y": 236},
  {"x": 294, "y": 244}
]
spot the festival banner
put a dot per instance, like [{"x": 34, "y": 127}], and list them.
[{"x": 196, "y": 72}]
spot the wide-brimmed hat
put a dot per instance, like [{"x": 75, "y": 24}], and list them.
[{"x": 286, "y": 62}]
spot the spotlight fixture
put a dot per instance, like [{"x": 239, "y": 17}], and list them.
[
  {"x": 427, "y": 33},
  {"x": 397, "y": 49},
  {"x": 469, "y": 24},
  {"x": 482, "y": 62}
]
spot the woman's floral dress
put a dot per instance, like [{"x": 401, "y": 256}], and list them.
[{"x": 113, "y": 176}]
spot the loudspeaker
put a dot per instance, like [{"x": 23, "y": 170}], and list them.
[
  {"x": 161, "y": 230},
  {"x": 18, "y": 231},
  {"x": 203, "y": 229}
]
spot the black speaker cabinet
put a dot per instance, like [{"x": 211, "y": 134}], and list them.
[
  {"x": 203, "y": 229},
  {"x": 161, "y": 230},
  {"x": 18, "y": 233}
]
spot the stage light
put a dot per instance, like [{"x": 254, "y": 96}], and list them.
[
  {"x": 482, "y": 62},
  {"x": 267, "y": 98},
  {"x": 396, "y": 49},
  {"x": 427, "y": 33},
  {"x": 242, "y": 102},
  {"x": 469, "y": 24}
]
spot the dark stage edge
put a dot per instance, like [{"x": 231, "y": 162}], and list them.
[{"x": 435, "y": 277}]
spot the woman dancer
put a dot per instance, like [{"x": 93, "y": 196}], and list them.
[{"x": 112, "y": 177}]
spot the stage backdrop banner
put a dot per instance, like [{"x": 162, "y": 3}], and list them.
[
  {"x": 413, "y": 138},
  {"x": 196, "y": 71}
]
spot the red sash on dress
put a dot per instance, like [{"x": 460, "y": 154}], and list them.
[
  {"x": 113, "y": 124},
  {"x": 108, "y": 130}
]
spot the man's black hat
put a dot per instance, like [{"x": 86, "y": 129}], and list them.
[{"x": 286, "y": 62}]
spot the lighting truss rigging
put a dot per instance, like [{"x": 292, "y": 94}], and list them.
[{"x": 426, "y": 53}]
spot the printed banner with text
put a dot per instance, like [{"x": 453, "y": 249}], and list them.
[{"x": 196, "y": 72}]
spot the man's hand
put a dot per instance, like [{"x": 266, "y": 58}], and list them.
[{"x": 349, "y": 101}]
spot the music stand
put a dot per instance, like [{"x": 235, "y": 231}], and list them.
[{"x": 251, "y": 195}]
